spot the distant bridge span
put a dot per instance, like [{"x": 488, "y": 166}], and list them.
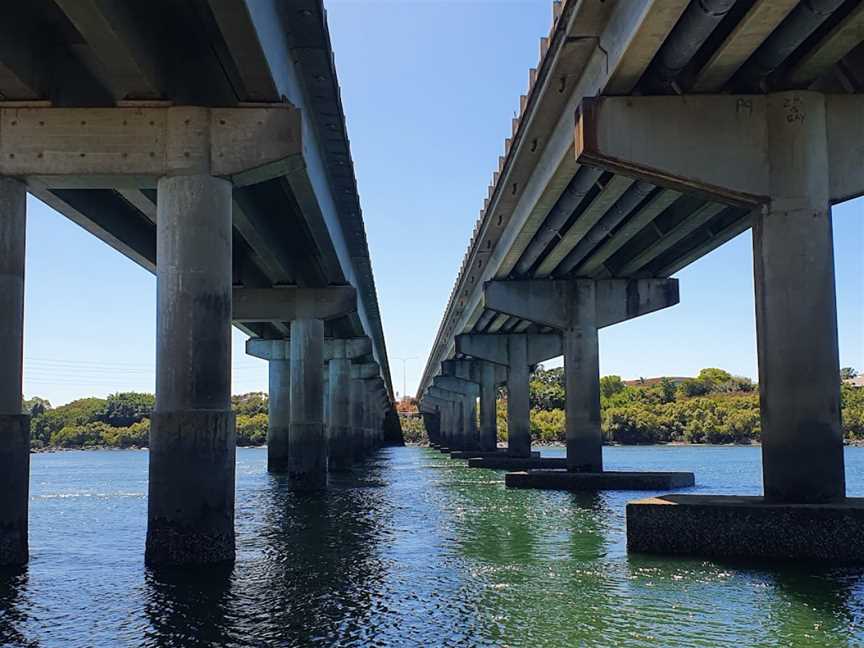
[{"x": 652, "y": 132}]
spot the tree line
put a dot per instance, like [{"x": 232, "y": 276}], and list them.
[
  {"x": 123, "y": 421},
  {"x": 714, "y": 407}
]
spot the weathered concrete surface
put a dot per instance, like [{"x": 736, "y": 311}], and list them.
[
  {"x": 747, "y": 527},
  {"x": 796, "y": 310},
  {"x": 191, "y": 488},
  {"x": 606, "y": 480},
  {"x": 192, "y": 437},
  {"x": 279, "y": 415},
  {"x": 307, "y": 461},
  {"x": 341, "y": 450},
  {"x": 479, "y": 454},
  {"x": 517, "y": 463},
  {"x": 13, "y": 231},
  {"x": 14, "y": 488}
]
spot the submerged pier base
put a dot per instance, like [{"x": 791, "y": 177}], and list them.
[
  {"x": 517, "y": 463},
  {"x": 593, "y": 481},
  {"x": 747, "y": 527}
]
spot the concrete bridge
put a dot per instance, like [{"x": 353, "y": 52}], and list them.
[
  {"x": 205, "y": 141},
  {"x": 652, "y": 132}
]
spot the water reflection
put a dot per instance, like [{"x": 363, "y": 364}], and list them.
[{"x": 13, "y": 608}]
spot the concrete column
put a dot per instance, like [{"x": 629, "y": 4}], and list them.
[
  {"x": 307, "y": 463},
  {"x": 796, "y": 314},
  {"x": 488, "y": 413},
  {"x": 14, "y": 426},
  {"x": 339, "y": 438},
  {"x": 582, "y": 383},
  {"x": 192, "y": 436},
  {"x": 472, "y": 441},
  {"x": 518, "y": 404},
  {"x": 358, "y": 411},
  {"x": 279, "y": 415}
]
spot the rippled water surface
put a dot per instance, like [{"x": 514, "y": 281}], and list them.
[{"x": 413, "y": 549}]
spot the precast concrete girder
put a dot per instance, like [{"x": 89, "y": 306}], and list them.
[
  {"x": 291, "y": 303},
  {"x": 97, "y": 148},
  {"x": 718, "y": 145}
]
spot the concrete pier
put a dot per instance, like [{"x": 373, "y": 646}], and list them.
[
  {"x": 339, "y": 426},
  {"x": 518, "y": 398},
  {"x": 358, "y": 412},
  {"x": 192, "y": 436},
  {"x": 488, "y": 376},
  {"x": 279, "y": 415},
  {"x": 14, "y": 426},
  {"x": 796, "y": 311},
  {"x": 307, "y": 461},
  {"x": 794, "y": 155}
]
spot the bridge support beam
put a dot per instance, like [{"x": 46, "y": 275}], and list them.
[
  {"x": 340, "y": 434},
  {"x": 192, "y": 436},
  {"x": 578, "y": 308},
  {"x": 14, "y": 426},
  {"x": 518, "y": 352},
  {"x": 488, "y": 376},
  {"x": 278, "y": 356},
  {"x": 789, "y": 155},
  {"x": 467, "y": 393}
]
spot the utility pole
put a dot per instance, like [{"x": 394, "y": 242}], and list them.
[{"x": 404, "y": 373}]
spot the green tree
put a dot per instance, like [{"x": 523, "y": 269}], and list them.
[
  {"x": 249, "y": 404},
  {"x": 125, "y": 408},
  {"x": 848, "y": 373},
  {"x": 611, "y": 385}
]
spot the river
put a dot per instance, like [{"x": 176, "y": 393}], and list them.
[{"x": 413, "y": 550}]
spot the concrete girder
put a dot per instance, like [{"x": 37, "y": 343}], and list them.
[
  {"x": 128, "y": 63},
  {"x": 285, "y": 304},
  {"x": 555, "y": 303},
  {"x": 134, "y": 147},
  {"x": 665, "y": 140}
]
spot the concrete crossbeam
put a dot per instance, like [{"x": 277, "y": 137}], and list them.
[
  {"x": 285, "y": 304},
  {"x": 134, "y": 147},
  {"x": 664, "y": 140},
  {"x": 350, "y": 348},
  {"x": 555, "y": 303}
]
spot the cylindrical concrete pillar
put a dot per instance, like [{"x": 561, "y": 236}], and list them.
[
  {"x": 14, "y": 426},
  {"x": 796, "y": 312},
  {"x": 307, "y": 464},
  {"x": 488, "y": 415},
  {"x": 518, "y": 403},
  {"x": 279, "y": 416},
  {"x": 358, "y": 403},
  {"x": 582, "y": 385},
  {"x": 471, "y": 441},
  {"x": 192, "y": 434},
  {"x": 339, "y": 438}
]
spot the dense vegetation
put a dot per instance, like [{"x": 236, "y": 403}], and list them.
[
  {"x": 123, "y": 421},
  {"x": 714, "y": 407}
]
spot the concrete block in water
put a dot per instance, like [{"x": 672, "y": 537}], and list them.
[
  {"x": 592, "y": 481},
  {"x": 717, "y": 526}
]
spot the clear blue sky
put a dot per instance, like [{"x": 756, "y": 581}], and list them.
[{"x": 429, "y": 89}]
